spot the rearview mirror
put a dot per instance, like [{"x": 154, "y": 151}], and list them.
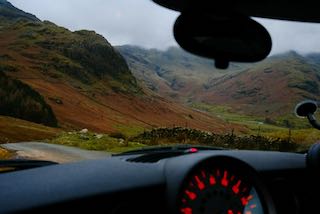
[{"x": 223, "y": 37}]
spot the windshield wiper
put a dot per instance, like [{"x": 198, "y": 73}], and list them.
[
  {"x": 21, "y": 164},
  {"x": 178, "y": 149}
]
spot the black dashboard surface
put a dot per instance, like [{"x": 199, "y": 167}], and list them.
[{"x": 122, "y": 185}]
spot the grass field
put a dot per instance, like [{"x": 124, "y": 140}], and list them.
[
  {"x": 93, "y": 141},
  {"x": 129, "y": 131},
  {"x": 15, "y": 130},
  {"x": 254, "y": 123},
  {"x": 301, "y": 133}
]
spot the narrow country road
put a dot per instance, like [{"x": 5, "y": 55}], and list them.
[{"x": 52, "y": 152}]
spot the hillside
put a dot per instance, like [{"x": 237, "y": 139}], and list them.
[
  {"x": 172, "y": 73},
  {"x": 271, "y": 87},
  {"x": 57, "y": 53},
  {"x": 8, "y": 12},
  {"x": 27, "y": 131},
  {"x": 86, "y": 81}
]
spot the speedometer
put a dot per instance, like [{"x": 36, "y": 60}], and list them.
[{"x": 218, "y": 187}]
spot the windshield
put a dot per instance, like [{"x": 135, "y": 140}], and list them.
[{"x": 85, "y": 79}]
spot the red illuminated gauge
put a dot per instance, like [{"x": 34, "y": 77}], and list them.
[{"x": 219, "y": 190}]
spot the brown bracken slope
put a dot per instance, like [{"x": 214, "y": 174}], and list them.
[{"x": 86, "y": 81}]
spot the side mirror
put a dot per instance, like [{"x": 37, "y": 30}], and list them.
[
  {"x": 223, "y": 37},
  {"x": 307, "y": 109}
]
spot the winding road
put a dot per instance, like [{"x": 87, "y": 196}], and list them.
[{"x": 52, "y": 152}]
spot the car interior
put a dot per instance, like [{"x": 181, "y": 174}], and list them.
[{"x": 185, "y": 179}]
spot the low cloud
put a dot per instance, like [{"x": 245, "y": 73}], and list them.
[
  {"x": 138, "y": 22},
  {"x": 143, "y": 23},
  {"x": 288, "y": 35}
]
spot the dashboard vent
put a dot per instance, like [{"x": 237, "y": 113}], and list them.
[{"x": 154, "y": 157}]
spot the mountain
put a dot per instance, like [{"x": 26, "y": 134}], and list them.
[
  {"x": 172, "y": 73},
  {"x": 59, "y": 53},
  {"x": 9, "y": 12},
  {"x": 87, "y": 82},
  {"x": 272, "y": 86},
  {"x": 313, "y": 58}
]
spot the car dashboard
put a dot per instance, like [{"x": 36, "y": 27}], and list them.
[{"x": 195, "y": 181}]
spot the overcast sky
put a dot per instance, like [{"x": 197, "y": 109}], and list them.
[{"x": 143, "y": 23}]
